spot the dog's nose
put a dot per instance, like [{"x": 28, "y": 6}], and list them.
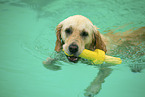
[{"x": 73, "y": 48}]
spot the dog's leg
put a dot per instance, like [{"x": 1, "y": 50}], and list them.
[
  {"x": 96, "y": 85},
  {"x": 53, "y": 61},
  {"x": 50, "y": 64}
]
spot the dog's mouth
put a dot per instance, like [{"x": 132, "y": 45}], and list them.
[{"x": 73, "y": 59}]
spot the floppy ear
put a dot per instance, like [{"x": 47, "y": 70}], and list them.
[
  {"x": 97, "y": 41},
  {"x": 58, "y": 45}
]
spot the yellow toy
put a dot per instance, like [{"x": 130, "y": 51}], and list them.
[{"x": 98, "y": 57}]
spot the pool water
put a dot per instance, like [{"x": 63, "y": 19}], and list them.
[{"x": 27, "y": 37}]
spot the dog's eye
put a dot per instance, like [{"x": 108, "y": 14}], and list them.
[
  {"x": 84, "y": 34},
  {"x": 68, "y": 31}
]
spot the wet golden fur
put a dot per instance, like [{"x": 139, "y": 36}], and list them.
[{"x": 79, "y": 24}]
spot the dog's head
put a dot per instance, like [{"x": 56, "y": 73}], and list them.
[{"x": 77, "y": 33}]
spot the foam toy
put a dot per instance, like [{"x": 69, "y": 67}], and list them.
[{"x": 98, "y": 57}]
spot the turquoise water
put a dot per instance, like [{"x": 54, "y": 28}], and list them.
[{"x": 27, "y": 37}]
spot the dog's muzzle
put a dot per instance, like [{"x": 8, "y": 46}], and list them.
[{"x": 73, "y": 49}]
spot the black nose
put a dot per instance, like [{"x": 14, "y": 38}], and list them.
[{"x": 73, "y": 48}]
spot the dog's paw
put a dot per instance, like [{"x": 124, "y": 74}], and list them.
[{"x": 50, "y": 64}]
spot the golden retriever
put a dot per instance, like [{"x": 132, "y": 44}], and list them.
[{"x": 77, "y": 33}]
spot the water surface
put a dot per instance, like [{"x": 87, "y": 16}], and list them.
[{"x": 27, "y": 37}]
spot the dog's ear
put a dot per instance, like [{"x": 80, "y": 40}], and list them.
[
  {"x": 97, "y": 41},
  {"x": 58, "y": 45}
]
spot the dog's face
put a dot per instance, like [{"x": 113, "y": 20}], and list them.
[{"x": 75, "y": 34}]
